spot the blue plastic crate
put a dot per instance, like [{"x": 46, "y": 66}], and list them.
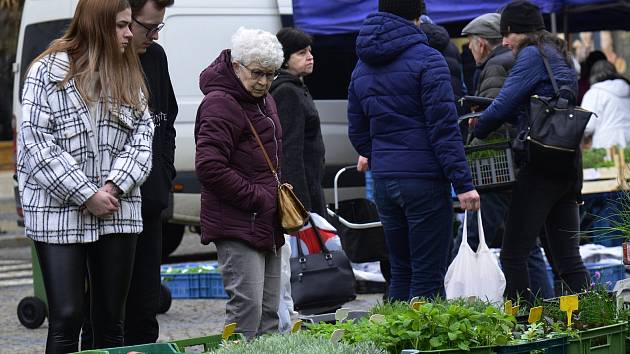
[
  {"x": 609, "y": 273},
  {"x": 208, "y": 285}
]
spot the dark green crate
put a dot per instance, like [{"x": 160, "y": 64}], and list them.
[
  {"x": 175, "y": 347},
  {"x": 603, "y": 340},
  {"x": 153, "y": 348},
  {"x": 547, "y": 346},
  {"x": 209, "y": 342},
  {"x": 478, "y": 350}
]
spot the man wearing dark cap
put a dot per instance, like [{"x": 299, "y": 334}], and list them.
[
  {"x": 492, "y": 58},
  {"x": 402, "y": 117}
]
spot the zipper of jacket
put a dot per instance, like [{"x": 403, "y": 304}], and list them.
[
  {"x": 575, "y": 108},
  {"x": 253, "y": 221},
  {"x": 549, "y": 146},
  {"x": 275, "y": 140}
]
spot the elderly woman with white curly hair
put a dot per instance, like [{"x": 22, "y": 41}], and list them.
[{"x": 238, "y": 189}]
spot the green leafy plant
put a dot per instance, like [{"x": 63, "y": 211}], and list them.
[
  {"x": 191, "y": 270},
  {"x": 489, "y": 152},
  {"x": 597, "y": 308},
  {"x": 596, "y": 158},
  {"x": 618, "y": 222},
  {"x": 459, "y": 324}
]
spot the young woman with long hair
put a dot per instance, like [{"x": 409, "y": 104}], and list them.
[{"x": 84, "y": 148}]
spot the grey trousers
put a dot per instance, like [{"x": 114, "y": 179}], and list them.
[{"x": 252, "y": 281}]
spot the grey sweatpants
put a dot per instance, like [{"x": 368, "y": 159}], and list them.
[{"x": 252, "y": 281}]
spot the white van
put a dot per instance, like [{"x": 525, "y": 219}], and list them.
[{"x": 195, "y": 33}]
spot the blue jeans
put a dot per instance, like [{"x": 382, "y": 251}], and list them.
[{"x": 417, "y": 217}]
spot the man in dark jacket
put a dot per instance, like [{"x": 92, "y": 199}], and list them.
[
  {"x": 143, "y": 300},
  {"x": 439, "y": 39},
  {"x": 141, "y": 325},
  {"x": 494, "y": 62},
  {"x": 402, "y": 117}
]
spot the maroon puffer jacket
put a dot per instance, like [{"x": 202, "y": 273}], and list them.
[{"x": 238, "y": 191}]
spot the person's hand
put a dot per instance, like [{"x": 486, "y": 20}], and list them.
[
  {"x": 112, "y": 189},
  {"x": 469, "y": 200},
  {"x": 102, "y": 204},
  {"x": 472, "y": 122},
  {"x": 362, "y": 164}
]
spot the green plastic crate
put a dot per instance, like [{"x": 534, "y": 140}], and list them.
[
  {"x": 153, "y": 348},
  {"x": 603, "y": 340},
  {"x": 478, "y": 350},
  {"x": 546, "y": 346},
  {"x": 209, "y": 342}
]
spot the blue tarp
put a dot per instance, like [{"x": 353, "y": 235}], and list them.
[{"x": 329, "y": 17}]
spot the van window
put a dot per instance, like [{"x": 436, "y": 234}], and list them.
[
  {"x": 335, "y": 59},
  {"x": 37, "y": 37}
]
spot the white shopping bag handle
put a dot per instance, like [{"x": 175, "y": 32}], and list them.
[{"x": 482, "y": 237}]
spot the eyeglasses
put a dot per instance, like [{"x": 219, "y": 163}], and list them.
[
  {"x": 151, "y": 31},
  {"x": 258, "y": 74}
]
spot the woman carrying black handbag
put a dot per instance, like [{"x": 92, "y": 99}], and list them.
[{"x": 542, "y": 198}]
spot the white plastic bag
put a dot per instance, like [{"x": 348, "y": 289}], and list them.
[
  {"x": 285, "y": 307},
  {"x": 475, "y": 274}
]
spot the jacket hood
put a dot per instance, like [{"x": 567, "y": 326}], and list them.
[
  {"x": 384, "y": 36},
  {"x": 220, "y": 76},
  {"x": 617, "y": 87},
  {"x": 283, "y": 78},
  {"x": 437, "y": 35}
]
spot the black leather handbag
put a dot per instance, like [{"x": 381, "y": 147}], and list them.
[
  {"x": 555, "y": 129},
  {"x": 321, "y": 282}
]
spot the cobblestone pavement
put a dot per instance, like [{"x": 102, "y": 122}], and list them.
[{"x": 185, "y": 318}]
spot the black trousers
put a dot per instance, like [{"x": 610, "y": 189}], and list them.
[
  {"x": 141, "y": 325},
  {"x": 108, "y": 264},
  {"x": 542, "y": 200}
]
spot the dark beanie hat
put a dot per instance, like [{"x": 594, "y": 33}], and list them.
[
  {"x": 407, "y": 9},
  {"x": 292, "y": 40},
  {"x": 521, "y": 16}
]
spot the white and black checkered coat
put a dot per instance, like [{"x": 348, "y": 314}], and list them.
[{"x": 62, "y": 160}]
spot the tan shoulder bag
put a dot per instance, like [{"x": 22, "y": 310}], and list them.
[{"x": 291, "y": 211}]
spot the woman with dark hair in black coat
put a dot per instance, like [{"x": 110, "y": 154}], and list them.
[{"x": 303, "y": 145}]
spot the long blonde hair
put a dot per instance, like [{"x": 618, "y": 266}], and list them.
[{"x": 93, "y": 49}]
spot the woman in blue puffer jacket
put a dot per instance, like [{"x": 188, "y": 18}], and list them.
[{"x": 541, "y": 198}]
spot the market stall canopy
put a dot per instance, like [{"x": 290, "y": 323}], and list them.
[{"x": 330, "y": 17}]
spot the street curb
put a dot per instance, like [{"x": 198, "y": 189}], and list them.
[{"x": 11, "y": 241}]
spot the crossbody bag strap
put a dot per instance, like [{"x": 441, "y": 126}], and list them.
[
  {"x": 264, "y": 151},
  {"x": 549, "y": 72}
]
